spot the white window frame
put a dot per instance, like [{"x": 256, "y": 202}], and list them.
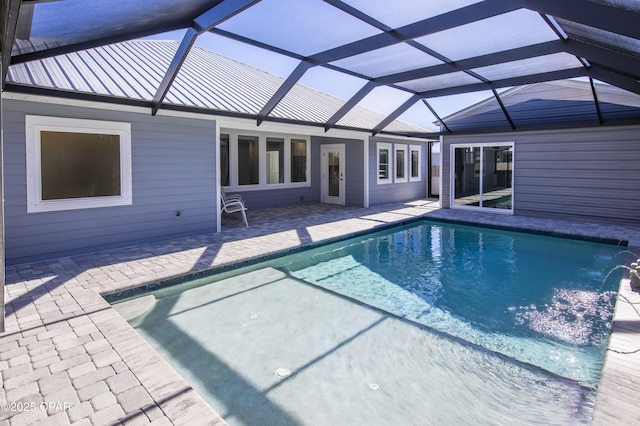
[
  {"x": 36, "y": 124},
  {"x": 413, "y": 148},
  {"x": 452, "y": 172},
  {"x": 389, "y": 147},
  {"x": 262, "y": 160},
  {"x": 396, "y": 149}
]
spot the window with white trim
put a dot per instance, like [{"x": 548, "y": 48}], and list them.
[
  {"x": 383, "y": 159},
  {"x": 400, "y": 155},
  {"x": 415, "y": 163},
  {"x": 299, "y": 161},
  {"x": 248, "y": 160},
  {"x": 77, "y": 164},
  {"x": 263, "y": 161}
]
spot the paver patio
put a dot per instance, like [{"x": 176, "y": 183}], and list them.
[{"x": 68, "y": 357}]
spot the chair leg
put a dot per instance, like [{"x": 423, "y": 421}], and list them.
[{"x": 244, "y": 216}]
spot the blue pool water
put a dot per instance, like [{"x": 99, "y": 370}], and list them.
[
  {"x": 469, "y": 326},
  {"x": 540, "y": 299}
]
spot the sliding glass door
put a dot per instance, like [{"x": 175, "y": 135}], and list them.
[{"x": 482, "y": 176}]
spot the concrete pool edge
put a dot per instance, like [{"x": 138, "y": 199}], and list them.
[
  {"x": 256, "y": 261},
  {"x": 45, "y": 304},
  {"x": 140, "y": 289}
]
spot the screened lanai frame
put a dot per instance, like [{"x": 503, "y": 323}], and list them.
[{"x": 422, "y": 49}]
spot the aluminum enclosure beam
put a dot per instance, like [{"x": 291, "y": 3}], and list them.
[
  {"x": 445, "y": 21},
  {"x": 507, "y": 82},
  {"x": 595, "y": 100},
  {"x": 209, "y": 19},
  {"x": 504, "y": 109},
  {"x": 283, "y": 90},
  {"x": 614, "y": 19},
  {"x": 395, "y": 114},
  {"x": 348, "y": 106},
  {"x": 435, "y": 114},
  {"x": 9, "y": 12}
]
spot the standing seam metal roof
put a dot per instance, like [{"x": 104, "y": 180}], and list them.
[{"x": 206, "y": 80}]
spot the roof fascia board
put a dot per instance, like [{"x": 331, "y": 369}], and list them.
[
  {"x": 583, "y": 126},
  {"x": 287, "y": 128},
  {"x": 16, "y": 92},
  {"x": 508, "y": 82},
  {"x": 598, "y": 15}
]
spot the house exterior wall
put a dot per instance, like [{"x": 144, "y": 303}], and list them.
[
  {"x": 173, "y": 169},
  {"x": 394, "y": 192},
  {"x": 354, "y": 180},
  {"x": 354, "y": 168},
  {"x": 589, "y": 173}
]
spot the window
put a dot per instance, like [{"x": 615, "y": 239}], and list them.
[
  {"x": 224, "y": 160},
  {"x": 248, "y": 160},
  {"x": 77, "y": 164},
  {"x": 275, "y": 160},
  {"x": 415, "y": 161},
  {"x": 263, "y": 161},
  {"x": 384, "y": 165},
  {"x": 298, "y": 160},
  {"x": 482, "y": 177},
  {"x": 401, "y": 163}
]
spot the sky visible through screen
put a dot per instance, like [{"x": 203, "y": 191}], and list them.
[{"x": 382, "y": 99}]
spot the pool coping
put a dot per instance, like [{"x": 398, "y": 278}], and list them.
[
  {"x": 138, "y": 290},
  {"x": 63, "y": 340}
]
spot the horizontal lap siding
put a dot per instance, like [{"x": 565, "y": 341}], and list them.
[
  {"x": 265, "y": 198},
  {"x": 589, "y": 173},
  {"x": 396, "y": 192},
  {"x": 354, "y": 167},
  {"x": 173, "y": 168}
]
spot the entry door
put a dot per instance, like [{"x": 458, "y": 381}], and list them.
[{"x": 332, "y": 174}]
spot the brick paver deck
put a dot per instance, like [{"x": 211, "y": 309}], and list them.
[{"x": 68, "y": 358}]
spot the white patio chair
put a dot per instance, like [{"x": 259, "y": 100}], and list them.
[
  {"x": 229, "y": 197},
  {"x": 233, "y": 204}
]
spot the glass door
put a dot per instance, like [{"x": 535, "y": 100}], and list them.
[
  {"x": 333, "y": 183},
  {"x": 482, "y": 177}
]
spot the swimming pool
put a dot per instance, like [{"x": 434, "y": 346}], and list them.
[{"x": 469, "y": 324}]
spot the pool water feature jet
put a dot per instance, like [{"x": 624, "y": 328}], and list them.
[
  {"x": 627, "y": 251},
  {"x": 634, "y": 274}
]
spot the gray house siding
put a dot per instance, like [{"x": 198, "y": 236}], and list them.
[
  {"x": 354, "y": 183},
  {"x": 588, "y": 173},
  {"x": 354, "y": 167},
  {"x": 394, "y": 192},
  {"x": 173, "y": 169}
]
